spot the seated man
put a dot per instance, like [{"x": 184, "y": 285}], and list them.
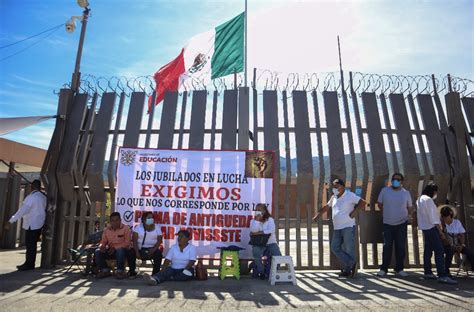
[
  {"x": 115, "y": 244},
  {"x": 181, "y": 257},
  {"x": 455, "y": 238}
]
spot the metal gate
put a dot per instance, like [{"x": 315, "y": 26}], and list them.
[{"x": 318, "y": 128}]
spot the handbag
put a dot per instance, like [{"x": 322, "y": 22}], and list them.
[
  {"x": 201, "y": 271},
  {"x": 259, "y": 240}
]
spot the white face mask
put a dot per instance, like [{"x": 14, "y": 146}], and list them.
[
  {"x": 335, "y": 191},
  {"x": 435, "y": 196}
]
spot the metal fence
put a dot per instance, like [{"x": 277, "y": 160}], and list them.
[{"x": 320, "y": 126}]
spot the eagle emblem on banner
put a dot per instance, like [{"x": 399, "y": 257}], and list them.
[
  {"x": 199, "y": 61},
  {"x": 127, "y": 157}
]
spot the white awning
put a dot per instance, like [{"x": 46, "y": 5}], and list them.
[{"x": 8, "y": 125}]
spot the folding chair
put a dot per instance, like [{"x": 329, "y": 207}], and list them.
[
  {"x": 85, "y": 251},
  {"x": 462, "y": 263}
]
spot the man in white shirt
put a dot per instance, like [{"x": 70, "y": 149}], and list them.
[
  {"x": 344, "y": 205},
  {"x": 429, "y": 222},
  {"x": 33, "y": 212}
]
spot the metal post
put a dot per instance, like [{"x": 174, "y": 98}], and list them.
[
  {"x": 254, "y": 78},
  {"x": 340, "y": 63},
  {"x": 76, "y": 76},
  {"x": 433, "y": 79},
  {"x": 245, "y": 51},
  {"x": 450, "y": 86}
]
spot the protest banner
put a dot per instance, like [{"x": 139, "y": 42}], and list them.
[{"x": 212, "y": 194}]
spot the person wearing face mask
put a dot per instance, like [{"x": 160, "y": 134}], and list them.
[
  {"x": 147, "y": 238},
  {"x": 455, "y": 238},
  {"x": 433, "y": 236},
  {"x": 344, "y": 205},
  {"x": 395, "y": 203},
  {"x": 263, "y": 224},
  {"x": 179, "y": 262}
]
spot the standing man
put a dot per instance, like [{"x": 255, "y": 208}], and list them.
[
  {"x": 395, "y": 203},
  {"x": 33, "y": 212},
  {"x": 344, "y": 205}
]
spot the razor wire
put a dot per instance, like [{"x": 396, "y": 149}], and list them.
[{"x": 264, "y": 79}]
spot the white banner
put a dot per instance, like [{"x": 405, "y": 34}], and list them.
[{"x": 212, "y": 194}]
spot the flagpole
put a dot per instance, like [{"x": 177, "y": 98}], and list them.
[{"x": 245, "y": 51}]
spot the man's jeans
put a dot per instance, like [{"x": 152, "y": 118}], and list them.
[
  {"x": 432, "y": 242},
  {"x": 394, "y": 234},
  {"x": 119, "y": 254},
  {"x": 170, "y": 274},
  {"x": 343, "y": 246}
]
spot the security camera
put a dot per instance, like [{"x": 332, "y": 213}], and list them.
[{"x": 71, "y": 25}]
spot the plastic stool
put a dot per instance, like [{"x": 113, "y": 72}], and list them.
[
  {"x": 282, "y": 275},
  {"x": 234, "y": 268}
]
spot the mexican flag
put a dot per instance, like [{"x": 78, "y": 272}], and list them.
[{"x": 215, "y": 53}]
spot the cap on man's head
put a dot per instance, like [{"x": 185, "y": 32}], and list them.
[{"x": 338, "y": 181}]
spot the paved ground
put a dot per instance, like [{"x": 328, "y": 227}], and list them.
[{"x": 52, "y": 290}]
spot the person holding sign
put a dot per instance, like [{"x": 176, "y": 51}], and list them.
[
  {"x": 179, "y": 262},
  {"x": 262, "y": 237},
  {"x": 147, "y": 238}
]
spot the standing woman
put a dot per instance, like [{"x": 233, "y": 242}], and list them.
[
  {"x": 429, "y": 222},
  {"x": 147, "y": 238},
  {"x": 263, "y": 224}
]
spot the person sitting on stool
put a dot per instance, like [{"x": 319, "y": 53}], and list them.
[
  {"x": 147, "y": 239},
  {"x": 115, "y": 244},
  {"x": 455, "y": 241}
]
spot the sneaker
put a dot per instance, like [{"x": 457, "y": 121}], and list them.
[
  {"x": 261, "y": 276},
  {"x": 132, "y": 274},
  {"x": 25, "y": 268},
  {"x": 402, "y": 273},
  {"x": 447, "y": 280},
  {"x": 149, "y": 279},
  {"x": 429, "y": 276},
  {"x": 381, "y": 273},
  {"x": 103, "y": 274},
  {"x": 353, "y": 271}
]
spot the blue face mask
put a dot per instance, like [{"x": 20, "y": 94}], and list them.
[
  {"x": 396, "y": 183},
  {"x": 149, "y": 221}
]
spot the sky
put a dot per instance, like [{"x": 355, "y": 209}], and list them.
[{"x": 135, "y": 38}]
